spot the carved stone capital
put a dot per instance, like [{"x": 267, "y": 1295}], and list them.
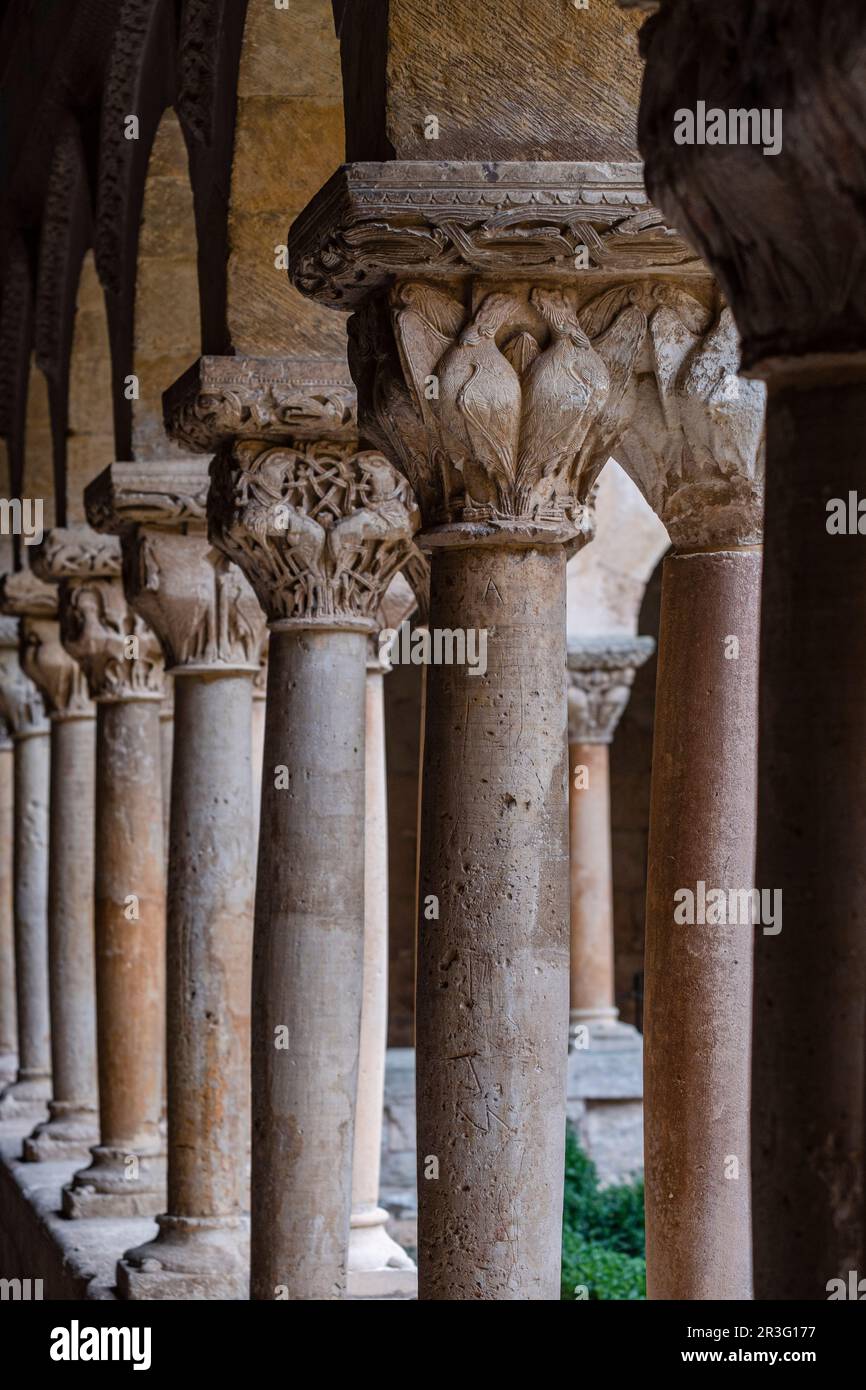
[
  {"x": 20, "y": 702},
  {"x": 783, "y": 230},
  {"x": 24, "y": 595},
  {"x": 442, "y": 219},
  {"x": 119, "y": 654},
  {"x": 502, "y": 405},
  {"x": 59, "y": 678},
  {"x": 221, "y": 399},
  {"x": 76, "y": 552},
  {"x": 319, "y": 531},
  {"x": 694, "y": 441},
  {"x": 601, "y": 672},
  {"x": 169, "y": 493}
]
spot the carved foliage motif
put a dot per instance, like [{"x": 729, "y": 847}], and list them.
[
  {"x": 198, "y": 603},
  {"x": 502, "y": 412},
  {"x": 601, "y": 673},
  {"x": 694, "y": 443},
  {"x": 319, "y": 531},
  {"x": 96, "y": 625}
]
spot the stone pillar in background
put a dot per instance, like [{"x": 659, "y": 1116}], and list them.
[
  {"x": 72, "y": 1126},
  {"x": 24, "y": 712},
  {"x": 123, "y": 665},
  {"x": 166, "y": 752},
  {"x": 211, "y": 629},
  {"x": 601, "y": 672},
  {"x": 378, "y": 1267},
  {"x": 695, "y": 448},
  {"x": 497, "y": 389},
  {"x": 8, "y": 1020},
  {"x": 319, "y": 529},
  {"x": 260, "y": 697},
  {"x": 786, "y": 236}
]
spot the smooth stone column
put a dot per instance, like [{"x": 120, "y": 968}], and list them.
[
  {"x": 8, "y": 1023},
  {"x": 166, "y": 754},
  {"x": 72, "y": 1127},
  {"x": 28, "y": 1094},
  {"x": 378, "y": 1267},
  {"x": 601, "y": 672},
  {"x": 698, "y": 981},
  {"x": 260, "y": 696},
  {"x": 492, "y": 1001}
]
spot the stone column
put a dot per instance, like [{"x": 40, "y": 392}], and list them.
[
  {"x": 166, "y": 753},
  {"x": 601, "y": 672},
  {"x": 24, "y": 711},
  {"x": 319, "y": 528},
  {"x": 260, "y": 696},
  {"x": 695, "y": 448},
  {"x": 72, "y": 1126},
  {"x": 8, "y": 1021},
  {"x": 123, "y": 665},
  {"x": 785, "y": 233},
  {"x": 211, "y": 629},
  {"x": 378, "y": 1267},
  {"x": 496, "y": 386}
]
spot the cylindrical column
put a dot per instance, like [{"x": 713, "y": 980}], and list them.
[
  {"x": 378, "y": 1267},
  {"x": 72, "y": 1127},
  {"x": 307, "y": 963},
  {"x": 492, "y": 1005},
  {"x": 260, "y": 695},
  {"x": 166, "y": 754},
  {"x": 697, "y": 1001},
  {"x": 8, "y": 1024},
  {"x": 592, "y": 980},
  {"x": 199, "y": 1252},
  {"x": 31, "y": 1090},
  {"x": 127, "y": 1174}
]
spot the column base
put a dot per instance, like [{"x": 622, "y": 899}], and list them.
[
  {"x": 26, "y": 1098},
  {"x": 597, "y": 1021},
  {"x": 106, "y": 1189},
  {"x": 377, "y": 1266},
  {"x": 70, "y": 1132},
  {"x": 191, "y": 1258},
  {"x": 8, "y": 1068}
]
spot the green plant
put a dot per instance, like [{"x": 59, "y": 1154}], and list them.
[{"x": 602, "y": 1232}]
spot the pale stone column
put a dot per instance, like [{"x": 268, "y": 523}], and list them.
[
  {"x": 211, "y": 629},
  {"x": 601, "y": 673},
  {"x": 497, "y": 389},
  {"x": 260, "y": 696},
  {"x": 166, "y": 753},
  {"x": 123, "y": 665},
  {"x": 378, "y": 1267},
  {"x": 24, "y": 711},
  {"x": 319, "y": 528},
  {"x": 695, "y": 448},
  {"x": 8, "y": 1021},
  {"x": 72, "y": 1126}
]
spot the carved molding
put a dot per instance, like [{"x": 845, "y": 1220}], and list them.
[
  {"x": 694, "y": 441},
  {"x": 119, "y": 654},
  {"x": 67, "y": 199},
  {"x": 170, "y": 493},
  {"x": 371, "y": 222},
  {"x": 199, "y": 604},
  {"x": 600, "y": 675},
  {"x": 76, "y": 552},
  {"x": 319, "y": 531},
  {"x": 501, "y": 406},
  {"x": 23, "y": 595},
  {"x": 59, "y": 678},
  {"x": 784, "y": 233},
  {"x": 221, "y": 399},
  {"x": 117, "y": 154}
]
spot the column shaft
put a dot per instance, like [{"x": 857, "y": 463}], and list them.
[
  {"x": 697, "y": 1002},
  {"x": 307, "y": 963},
  {"x": 73, "y": 1124},
  {"x": 592, "y": 977},
  {"x": 492, "y": 1005},
  {"x": 8, "y": 1022}
]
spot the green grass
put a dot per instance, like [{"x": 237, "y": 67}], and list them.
[{"x": 603, "y": 1247}]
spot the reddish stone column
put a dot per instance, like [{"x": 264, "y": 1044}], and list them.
[
  {"x": 123, "y": 665},
  {"x": 8, "y": 1020},
  {"x": 601, "y": 672},
  {"x": 27, "y": 1096},
  {"x": 319, "y": 529},
  {"x": 211, "y": 629}
]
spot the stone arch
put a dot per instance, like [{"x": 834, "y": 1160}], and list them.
[
  {"x": 166, "y": 334},
  {"x": 16, "y": 329},
  {"x": 38, "y": 473},
  {"x": 90, "y": 439}
]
